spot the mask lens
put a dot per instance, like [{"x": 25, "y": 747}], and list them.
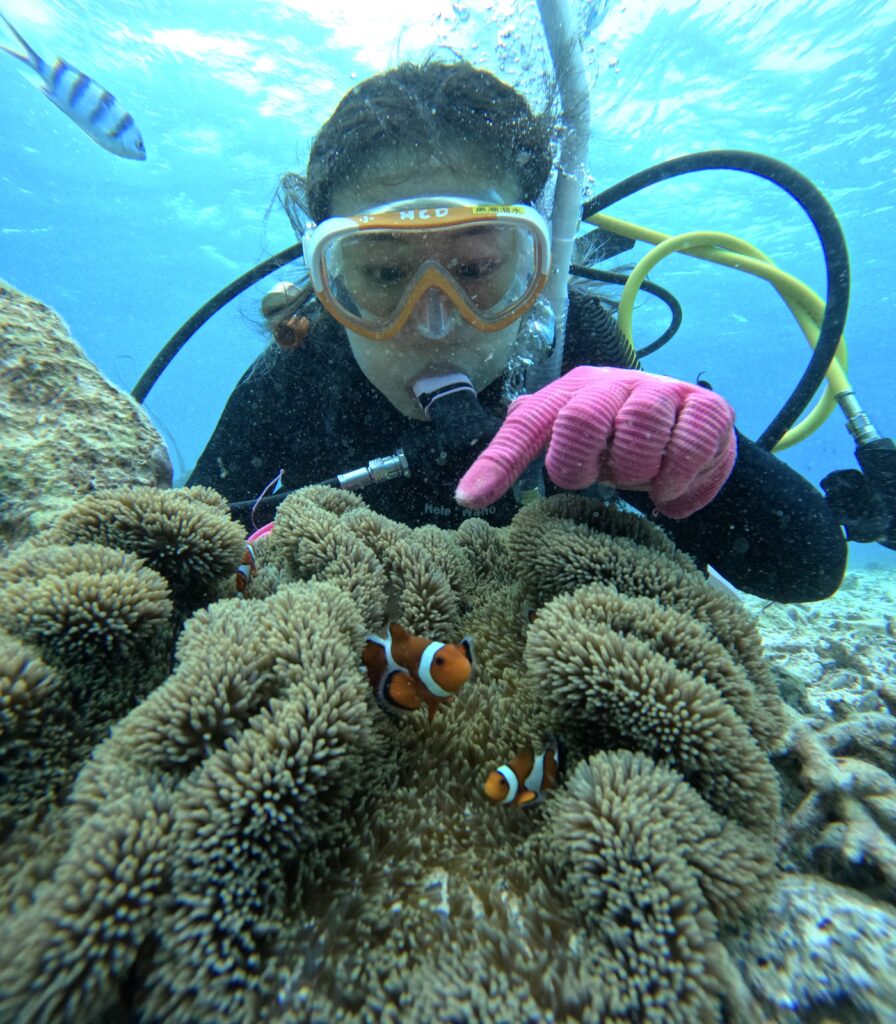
[
  {"x": 375, "y": 269},
  {"x": 487, "y": 266}
]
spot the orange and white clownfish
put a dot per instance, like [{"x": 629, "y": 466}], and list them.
[
  {"x": 246, "y": 569},
  {"x": 524, "y": 781},
  {"x": 407, "y": 671}
]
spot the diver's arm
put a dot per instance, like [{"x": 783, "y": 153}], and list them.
[
  {"x": 768, "y": 531},
  {"x": 226, "y": 463},
  {"x": 245, "y": 450},
  {"x": 302, "y": 410}
]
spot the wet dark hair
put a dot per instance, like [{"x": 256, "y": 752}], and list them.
[{"x": 439, "y": 108}]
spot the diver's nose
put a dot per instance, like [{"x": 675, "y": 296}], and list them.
[{"x": 434, "y": 315}]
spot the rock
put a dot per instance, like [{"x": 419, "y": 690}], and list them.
[{"x": 65, "y": 430}]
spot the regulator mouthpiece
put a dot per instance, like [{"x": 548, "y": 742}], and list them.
[
  {"x": 457, "y": 425},
  {"x": 429, "y": 390}
]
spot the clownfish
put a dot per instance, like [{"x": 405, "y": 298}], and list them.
[
  {"x": 524, "y": 781},
  {"x": 407, "y": 671},
  {"x": 246, "y": 569}
]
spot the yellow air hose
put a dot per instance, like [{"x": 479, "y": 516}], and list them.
[{"x": 728, "y": 250}]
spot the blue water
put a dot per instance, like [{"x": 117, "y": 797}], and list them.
[{"x": 228, "y": 96}]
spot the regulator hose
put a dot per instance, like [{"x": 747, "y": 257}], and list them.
[
  {"x": 610, "y": 277},
  {"x": 829, "y": 232},
  {"x": 205, "y": 312},
  {"x": 456, "y": 423}
]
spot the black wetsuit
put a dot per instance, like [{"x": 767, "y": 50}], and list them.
[{"x": 313, "y": 413}]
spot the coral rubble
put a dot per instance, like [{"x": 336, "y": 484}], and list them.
[
  {"x": 845, "y": 824},
  {"x": 838, "y": 755},
  {"x": 821, "y": 952}
]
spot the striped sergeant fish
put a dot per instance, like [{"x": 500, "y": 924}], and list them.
[{"x": 93, "y": 110}]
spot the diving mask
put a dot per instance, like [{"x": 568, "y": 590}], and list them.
[{"x": 487, "y": 262}]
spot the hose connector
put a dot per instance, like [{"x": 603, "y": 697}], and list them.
[
  {"x": 857, "y": 421},
  {"x": 387, "y": 467}
]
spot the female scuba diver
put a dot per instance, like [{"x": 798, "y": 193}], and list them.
[{"x": 425, "y": 255}]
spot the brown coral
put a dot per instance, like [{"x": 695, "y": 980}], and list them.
[
  {"x": 567, "y": 541},
  {"x": 26, "y": 684},
  {"x": 312, "y": 543},
  {"x": 186, "y": 535},
  {"x": 274, "y": 795},
  {"x": 90, "y": 631},
  {"x": 485, "y": 549},
  {"x": 618, "y": 806},
  {"x": 220, "y": 839},
  {"x": 84, "y": 604},
  {"x": 308, "y": 857},
  {"x": 233, "y": 659},
  {"x": 560, "y": 544},
  {"x": 34, "y": 745},
  {"x": 610, "y": 687},
  {"x": 654, "y": 871},
  {"x": 82, "y": 935},
  {"x": 393, "y": 572}
]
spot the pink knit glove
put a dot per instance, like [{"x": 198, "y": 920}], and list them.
[{"x": 636, "y": 431}]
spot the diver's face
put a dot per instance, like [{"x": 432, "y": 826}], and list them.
[{"x": 429, "y": 344}]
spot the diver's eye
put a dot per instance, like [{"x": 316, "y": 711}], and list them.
[
  {"x": 386, "y": 274},
  {"x": 476, "y": 269}
]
